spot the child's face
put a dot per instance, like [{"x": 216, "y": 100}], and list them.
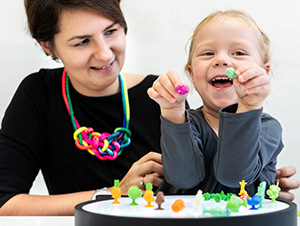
[{"x": 219, "y": 45}]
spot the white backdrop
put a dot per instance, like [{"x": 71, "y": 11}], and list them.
[{"x": 157, "y": 35}]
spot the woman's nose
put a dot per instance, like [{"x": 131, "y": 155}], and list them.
[{"x": 103, "y": 51}]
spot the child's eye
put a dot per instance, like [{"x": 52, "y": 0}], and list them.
[
  {"x": 208, "y": 54},
  {"x": 84, "y": 42},
  {"x": 238, "y": 53}
]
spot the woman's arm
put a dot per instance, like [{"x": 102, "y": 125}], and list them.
[{"x": 52, "y": 205}]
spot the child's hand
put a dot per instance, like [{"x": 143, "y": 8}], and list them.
[
  {"x": 252, "y": 86},
  {"x": 164, "y": 92}
]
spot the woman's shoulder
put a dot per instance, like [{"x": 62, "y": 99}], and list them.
[{"x": 41, "y": 79}]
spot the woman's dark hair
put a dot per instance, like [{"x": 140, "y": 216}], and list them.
[{"x": 43, "y": 15}]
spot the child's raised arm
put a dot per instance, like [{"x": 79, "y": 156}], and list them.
[{"x": 166, "y": 91}]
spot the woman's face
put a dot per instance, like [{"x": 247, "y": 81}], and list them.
[
  {"x": 219, "y": 45},
  {"x": 92, "y": 49}
]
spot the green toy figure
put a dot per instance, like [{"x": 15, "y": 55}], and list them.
[
  {"x": 134, "y": 192},
  {"x": 273, "y": 192},
  {"x": 235, "y": 203},
  {"x": 218, "y": 212},
  {"x": 261, "y": 193}
]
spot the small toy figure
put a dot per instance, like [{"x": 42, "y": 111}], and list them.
[
  {"x": 273, "y": 192},
  {"x": 253, "y": 201},
  {"x": 243, "y": 191},
  {"x": 134, "y": 192},
  {"x": 244, "y": 196},
  {"x": 261, "y": 189},
  {"x": 217, "y": 197},
  {"x": 218, "y": 212},
  {"x": 235, "y": 203},
  {"x": 181, "y": 89},
  {"x": 160, "y": 198},
  {"x": 206, "y": 196},
  {"x": 178, "y": 205},
  {"x": 149, "y": 195},
  {"x": 116, "y": 192},
  {"x": 230, "y": 72},
  {"x": 198, "y": 200}
]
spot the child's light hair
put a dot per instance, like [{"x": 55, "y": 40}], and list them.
[{"x": 262, "y": 38}]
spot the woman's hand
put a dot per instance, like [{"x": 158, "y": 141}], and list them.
[
  {"x": 164, "y": 92},
  {"x": 147, "y": 169},
  {"x": 286, "y": 183}
]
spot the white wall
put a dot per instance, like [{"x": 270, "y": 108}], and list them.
[{"x": 158, "y": 32}]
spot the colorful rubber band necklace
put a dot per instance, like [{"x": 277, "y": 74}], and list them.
[{"x": 104, "y": 146}]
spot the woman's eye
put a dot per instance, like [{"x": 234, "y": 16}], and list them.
[
  {"x": 84, "y": 42},
  {"x": 110, "y": 32}
]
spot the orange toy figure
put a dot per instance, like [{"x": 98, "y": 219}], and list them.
[
  {"x": 244, "y": 196},
  {"x": 116, "y": 192},
  {"x": 149, "y": 195},
  {"x": 178, "y": 205}
]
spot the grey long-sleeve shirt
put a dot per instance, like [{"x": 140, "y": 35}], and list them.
[{"x": 194, "y": 157}]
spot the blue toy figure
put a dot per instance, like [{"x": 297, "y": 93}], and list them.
[{"x": 253, "y": 201}]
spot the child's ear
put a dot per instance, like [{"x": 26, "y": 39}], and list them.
[
  {"x": 267, "y": 67},
  {"x": 191, "y": 73},
  {"x": 45, "y": 46}
]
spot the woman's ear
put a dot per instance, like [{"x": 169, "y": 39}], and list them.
[{"x": 45, "y": 46}]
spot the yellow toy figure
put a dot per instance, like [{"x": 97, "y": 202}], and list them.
[
  {"x": 149, "y": 195},
  {"x": 116, "y": 192},
  {"x": 243, "y": 191}
]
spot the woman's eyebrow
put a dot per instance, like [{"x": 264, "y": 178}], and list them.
[{"x": 88, "y": 36}]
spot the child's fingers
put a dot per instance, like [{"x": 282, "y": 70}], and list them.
[
  {"x": 248, "y": 72},
  {"x": 256, "y": 84},
  {"x": 166, "y": 85}
]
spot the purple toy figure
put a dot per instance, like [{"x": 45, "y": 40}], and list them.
[{"x": 181, "y": 89}]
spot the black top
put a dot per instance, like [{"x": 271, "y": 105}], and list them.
[{"x": 37, "y": 134}]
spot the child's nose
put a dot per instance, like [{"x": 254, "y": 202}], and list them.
[{"x": 222, "y": 60}]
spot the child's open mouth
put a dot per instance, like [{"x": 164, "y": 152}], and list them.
[{"x": 221, "y": 82}]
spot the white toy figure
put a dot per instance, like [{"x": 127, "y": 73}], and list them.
[{"x": 198, "y": 200}]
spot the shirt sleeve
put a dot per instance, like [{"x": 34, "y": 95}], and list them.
[
  {"x": 248, "y": 146},
  {"x": 182, "y": 156},
  {"x": 21, "y": 139}
]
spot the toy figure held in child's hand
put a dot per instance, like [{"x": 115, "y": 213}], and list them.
[
  {"x": 182, "y": 89},
  {"x": 261, "y": 189},
  {"x": 116, "y": 192},
  {"x": 230, "y": 72},
  {"x": 160, "y": 198},
  {"x": 253, "y": 201},
  {"x": 198, "y": 200},
  {"x": 273, "y": 192},
  {"x": 149, "y": 195},
  {"x": 178, "y": 205},
  {"x": 134, "y": 192}
]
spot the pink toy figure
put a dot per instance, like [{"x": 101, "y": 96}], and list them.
[{"x": 181, "y": 89}]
